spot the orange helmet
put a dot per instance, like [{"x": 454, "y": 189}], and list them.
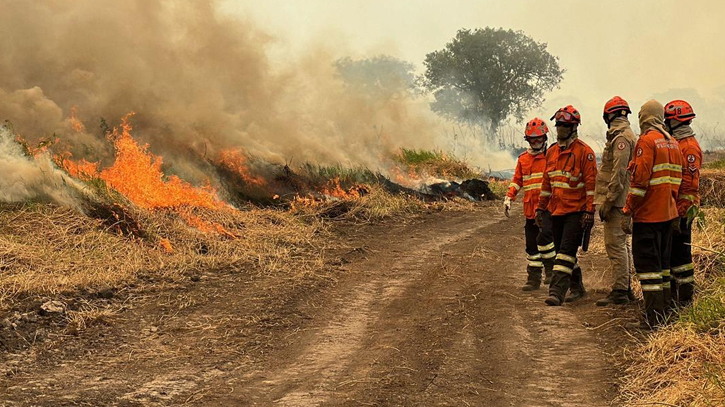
[
  {"x": 567, "y": 115},
  {"x": 616, "y": 104},
  {"x": 679, "y": 110},
  {"x": 536, "y": 128}
]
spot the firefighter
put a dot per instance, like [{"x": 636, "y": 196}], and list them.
[
  {"x": 611, "y": 194},
  {"x": 567, "y": 192},
  {"x": 651, "y": 207},
  {"x": 678, "y": 116},
  {"x": 529, "y": 174}
]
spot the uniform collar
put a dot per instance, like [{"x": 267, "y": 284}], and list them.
[
  {"x": 683, "y": 131},
  {"x": 618, "y": 125}
]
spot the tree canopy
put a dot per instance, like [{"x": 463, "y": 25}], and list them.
[
  {"x": 487, "y": 75},
  {"x": 382, "y": 76}
]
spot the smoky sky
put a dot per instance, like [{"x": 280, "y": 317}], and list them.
[{"x": 636, "y": 49}]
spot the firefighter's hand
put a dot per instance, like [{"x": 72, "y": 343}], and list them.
[
  {"x": 676, "y": 225},
  {"x": 539, "y": 219},
  {"x": 587, "y": 220},
  {"x": 604, "y": 211},
  {"x": 506, "y": 206},
  {"x": 627, "y": 224}
]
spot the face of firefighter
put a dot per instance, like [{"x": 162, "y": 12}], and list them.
[
  {"x": 564, "y": 132},
  {"x": 536, "y": 143}
]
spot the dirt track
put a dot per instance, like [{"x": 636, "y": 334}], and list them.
[{"x": 428, "y": 313}]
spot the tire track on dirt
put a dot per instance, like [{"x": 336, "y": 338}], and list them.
[{"x": 315, "y": 374}]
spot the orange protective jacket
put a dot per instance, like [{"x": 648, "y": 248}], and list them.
[
  {"x": 569, "y": 180},
  {"x": 689, "y": 193},
  {"x": 529, "y": 175},
  {"x": 656, "y": 176}
]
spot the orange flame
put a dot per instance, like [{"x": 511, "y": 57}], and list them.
[
  {"x": 76, "y": 124},
  {"x": 235, "y": 160},
  {"x": 82, "y": 169},
  {"x": 137, "y": 174},
  {"x": 335, "y": 190},
  {"x": 166, "y": 245}
]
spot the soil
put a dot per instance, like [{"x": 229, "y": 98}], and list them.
[{"x": 421, "y": 312}]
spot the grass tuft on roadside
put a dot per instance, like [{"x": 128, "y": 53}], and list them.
[{"x": 435, "y": 163}]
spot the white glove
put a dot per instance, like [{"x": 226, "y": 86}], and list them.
[{"x": 506, "y": 206}]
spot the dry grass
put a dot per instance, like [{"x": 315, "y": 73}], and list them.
[
  {"x": 375, "y": 205},
  {"x": 46, "y": 249},
  {"x": 684, "y": 364}
]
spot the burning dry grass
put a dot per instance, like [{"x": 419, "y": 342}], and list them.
[
  {"x": 375, "y": 204},
  {"x": 48, "y": 249},
  {"x": 684, "y": 364}
]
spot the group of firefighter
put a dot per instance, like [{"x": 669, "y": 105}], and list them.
[{"x": 644, "y": 186}]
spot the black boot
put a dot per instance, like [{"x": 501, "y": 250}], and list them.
[
  {"x": 560, "y": 283},
  {"x": 533, "y": 282},
  {"x": 617, "y": 297},
  {"x": 548, "y": 270},
  {"x": 577, "y": 285},
  {"x": 682, "y": 293}
]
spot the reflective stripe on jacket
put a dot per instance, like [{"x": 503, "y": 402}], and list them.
[
  {"x": 689, "y": 193},
  {"x": 656, "y": 176},
  {"x": 569, "y": 180},
  {"x": 528, "y": 176}
]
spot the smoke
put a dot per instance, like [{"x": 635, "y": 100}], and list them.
[
  {"x": 199, "y": 82},
  {"x": 25, "y": 178}
]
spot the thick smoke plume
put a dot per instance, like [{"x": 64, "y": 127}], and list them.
[
  {"x": 199, "y": 81},
  {"x": 33, "y": 178}
]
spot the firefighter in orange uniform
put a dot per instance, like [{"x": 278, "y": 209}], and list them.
[
  {"x": 567, "y": 192},
  {"x": 651, "y": 207},
  {"x": 678, "y": 116},
  {"x": 529, "y": 175}
]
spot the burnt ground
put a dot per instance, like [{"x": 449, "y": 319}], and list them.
[{"x": 423, "y": 312}]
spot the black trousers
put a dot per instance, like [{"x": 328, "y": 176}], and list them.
[
  {"x": 568, "y": 234},
  {"x": 683, "y": 269},
  {"x": 651, "y": 244},
  {"x": 540, "y": 241}
]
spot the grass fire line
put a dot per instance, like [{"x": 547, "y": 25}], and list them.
[{"x": 164, "y": 226}]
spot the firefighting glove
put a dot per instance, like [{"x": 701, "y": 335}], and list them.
[
  {"x": 676, "y": 225},
  {"x": 539, "y": 219},
  {"x": 506, "y": 206},
  {"x": 604, "y": 210},
  {"x": 627, "y": 223},
  {"x": 587, "y": 220}
]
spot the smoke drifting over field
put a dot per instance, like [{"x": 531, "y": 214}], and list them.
[{"x": 199, "y": 82}]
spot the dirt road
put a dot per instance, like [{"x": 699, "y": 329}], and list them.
[{"x": 417, "y": 314}]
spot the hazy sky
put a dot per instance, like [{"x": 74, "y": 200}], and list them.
[{"x": 637, "y": 49}]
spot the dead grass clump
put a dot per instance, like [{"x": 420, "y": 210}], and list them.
[
  {"x": 712, "y": 187},
  {"x": 46, "y": 249},
  {"x": 677, "y": 366},
  {"x": 87, "y": 316},
  {"x": 374, "y": 205}
]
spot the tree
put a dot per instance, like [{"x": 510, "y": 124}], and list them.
[
  {"x": 381, "y": 77},
  {"x": 486, "y": 75}
]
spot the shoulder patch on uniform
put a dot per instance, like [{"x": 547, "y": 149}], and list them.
[
  {"x": 639, "y": 152},
  {"x": 590, "y": 157},
  {"x": 691, "y": 158},
  {"x": 621, "y": 145}
]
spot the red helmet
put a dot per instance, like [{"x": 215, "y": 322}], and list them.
[
  {"x": 536, "y": 128},
  {"x": 679, "y": 110},
  {"x": 568, "y": 115},
  {"x": 616, "y": 104}
]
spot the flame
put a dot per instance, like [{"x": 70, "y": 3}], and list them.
[
  {"x": 76, "y": 124},
  {"x": 137, "y": 175},
  {"x": 84, "y": 170},
  {"x": 166, "y": 245},
  {"x": 235, "y": 161},
  {"x": 206, "y": 227},
  {"x": 335, "y": 190}
]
